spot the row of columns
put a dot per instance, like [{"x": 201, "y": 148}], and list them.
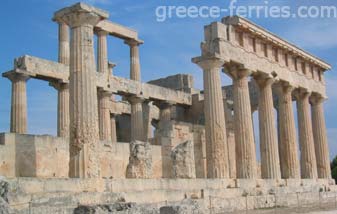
[{"x": 277, "y": 159}]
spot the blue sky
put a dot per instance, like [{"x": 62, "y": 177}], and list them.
[{"x": 169, "y": 46}]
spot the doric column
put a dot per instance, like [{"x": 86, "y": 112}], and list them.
[
  {"x": 215, "y": 125},
  {"x": 137, "y": 129},
  {"x": 308, "y": 157},
  {"x": 84, "y": 132},
  {"x": 134, "y": 59},
  {"x": 19, "y": 103},
  {"x": 165, "y": 130},
  {"x": 270, "y": 162},
  {"x": 102, "y": 51},
  {"x": 104, "y": 115},
  {"x": 288, "y": 144},
  {"x": 63, "y": 115},
  {"x": 320, "y": 137},
  {"x": 113, "y": 128},
  {"x": 64, "y": 55},
  {"x": 137, "y": 124},
  {"x": 243, "y": 126}
]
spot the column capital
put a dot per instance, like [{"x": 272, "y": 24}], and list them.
[
  {"x": 133, "y": 99},
  {"x": 101, "y": 32},
  {"x": 283, "y": 87},
  {"x": 263, "y": 79},
  {"x": 104, "y": 93},
  {"x": 207, "y": 63},
  {"x": 133, "y": 42},
  {"x": 59, "y": 85},
  {"x": 164, "y": 104},
  {"x": 316, "y": 99},
  {"x": 80, "y": 14},
  {"x": 14, "y": 76},
  {"x": 301, "y": 93},
  {"x": 237, "y": 72}
]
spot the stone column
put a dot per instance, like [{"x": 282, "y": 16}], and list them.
[
  {"x": 102, "y": 52},
  {"x": 137, "y": 124},
  {"x": 137, "y": 129},
  {"x": 113, "y": 128},
  {"x": 165, "y": 137},
  {"x": 104, "y": 115},
  {"x": 320, "y": 137},
  {"x": 290, "y": 168},
  {"x": 134, "y": 59},
  {"x": 63, "y": 115},
  {"x": 19, "y": 103},
  {"x": 244, "y": 134},
  {"x": 64, "y": 54},
  {"x": 62, "y": 88},
  {"x": 215, "y": 125},
  {"x": 308, "y": 157},
  {"x": 84, "y": 132},
  {"x": 270, "y": 161}
]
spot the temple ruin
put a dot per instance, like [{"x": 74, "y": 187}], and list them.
[{"x": 203, "y": 142}]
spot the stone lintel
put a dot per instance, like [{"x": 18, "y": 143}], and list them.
[{"x": 133, "y": 42}]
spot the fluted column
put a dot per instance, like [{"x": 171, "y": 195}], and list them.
[
  {"x": 270, "y": 162},
  {"x": 84, "y": 131},
  {"x": 102, "y": 52},
  {"x": 63, "y": 115},
  {"x": 113, "y": 128},
  {"x": 243, "y": 126},
  {"x": 137, "y": 129},
  {"x": 137, "y": 124},
  {"x": 290, "y": 167},
  {"x": 104, "y": 115},
  {"x": 308, "y": 157},
  {"x": 64, "y": 54},
  {"x": 320, "y": 137},
  {"x": 215, "y": 125},
  {"x": 19, "y": 103},
  {"x": 134, "y": 59}
]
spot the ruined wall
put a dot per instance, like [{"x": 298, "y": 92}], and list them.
[{"x": 46, "y": 156}]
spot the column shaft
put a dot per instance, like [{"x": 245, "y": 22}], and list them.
[
  {"x": 63, "y": 115},
  {"x": 244, "y": 135},
  {"x": 288, "y": 144},
  {"x": 19, "y": 104},
  {"x": 102, "y": 52},
  {"x": 270, "y": 162},
  {"x": 137, "y": 131},
  {"x": 64, "y": 55},
  {"x": 215, "y": 125},
  {"x": 320, "y": 138},
  {"x": 104, "y": 116},
  {"x": 113, "y": 128},
  {"x": 308, "y": 157}
]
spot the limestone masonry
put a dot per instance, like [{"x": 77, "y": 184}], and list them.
[{"x": 165, "y": 145}]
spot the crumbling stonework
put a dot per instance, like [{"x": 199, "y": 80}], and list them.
[
  {"x": 140, "y": 160},
  {"x": 183, "y": 160}
]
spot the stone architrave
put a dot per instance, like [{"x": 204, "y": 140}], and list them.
[{"x": 84, "y": 131}]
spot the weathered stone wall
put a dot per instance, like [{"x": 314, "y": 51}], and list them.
[{"x": 46, "y": 157}]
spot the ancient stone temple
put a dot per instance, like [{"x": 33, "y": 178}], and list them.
[{"x": 165, "y": 142}]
